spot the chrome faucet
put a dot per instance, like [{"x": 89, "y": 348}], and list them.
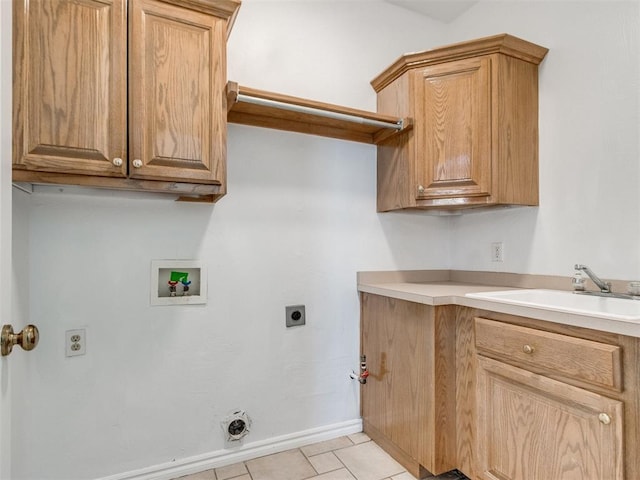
[{"x": 605, "y": 287}]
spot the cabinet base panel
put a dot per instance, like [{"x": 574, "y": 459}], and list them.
[
  {"x": 412, "y": 465},
  {"x": 186, "y": 192}
]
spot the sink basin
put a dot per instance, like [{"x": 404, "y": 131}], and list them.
[{"x": 558, "y": 300}]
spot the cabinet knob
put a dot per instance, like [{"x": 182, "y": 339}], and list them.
[
  {"x": 528, "y": 349},
  {"x": 604, "y": 418},
  {"x": 137, "y": 163},
  {"x": 117, "y": 162},
  {"x": 421, "y": 189}
]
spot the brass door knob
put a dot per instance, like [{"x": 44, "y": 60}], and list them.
[{"x": 27, "y": 338}]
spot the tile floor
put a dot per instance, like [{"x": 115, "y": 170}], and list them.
[{"x": 354, "y": 457}]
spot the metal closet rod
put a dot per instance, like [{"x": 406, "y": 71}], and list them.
[{"x": 318, "y": 112}]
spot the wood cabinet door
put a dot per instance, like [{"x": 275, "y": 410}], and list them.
[
  {"x": 453, "y": 129},
  {"x": 531, "y": 427},
  {"x": 177, "y": 73},
  {"x": 394, "y": 339},
  {"x": 69, "y": 112}
]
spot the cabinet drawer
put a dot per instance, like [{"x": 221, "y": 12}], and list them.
[{"x": 583, "y": 360}]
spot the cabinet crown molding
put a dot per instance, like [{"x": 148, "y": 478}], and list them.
[
  {"x": 227, "y": 9},
  {"x": 502, "y": 43}
]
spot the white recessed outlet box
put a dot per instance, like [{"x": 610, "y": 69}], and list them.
[
  {"x": 178, "y": 282},
  {"x": 75, "y": 342}
]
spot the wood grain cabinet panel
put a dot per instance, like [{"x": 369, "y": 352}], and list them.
[
  {"x": 177, "y": 96},
  {"x": 531, "y": 427},
  {"x": 408, "y": 402},
  {"x": 569, "y": 358},
  {"x": 70, "y": 110},
  {"x": 474, "y": 142},
  {"x": 452, "y": 102}
]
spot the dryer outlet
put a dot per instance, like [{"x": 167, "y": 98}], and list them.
[{"x": 295, "y": 315}]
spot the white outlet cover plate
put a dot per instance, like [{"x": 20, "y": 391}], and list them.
[
  {"x": 75, "y": 342},
  {"x": 497, "y": 252}
]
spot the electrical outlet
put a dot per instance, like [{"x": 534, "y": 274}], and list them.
[
  {"x": 497, "y": 252},
  {"x": 295, "y": 315},
  {"x": 76, "y": 342}
]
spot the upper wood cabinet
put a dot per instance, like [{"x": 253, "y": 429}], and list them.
[
  {"x": 177, "y": 73},
  {"x": 70, "y": 86},
  {"x": 77, "y": 62},
  {"x": 474, "y": 142}
]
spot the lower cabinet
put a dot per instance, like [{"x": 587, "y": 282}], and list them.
[
  {"x": 547, "y": 401},
  {"x": 531, "y": 427},
  {"x": 408, "y": 402},
  {"x": 499, "y": 397}
]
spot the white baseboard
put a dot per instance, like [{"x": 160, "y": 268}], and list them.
[{"x": 221, "y": 458}]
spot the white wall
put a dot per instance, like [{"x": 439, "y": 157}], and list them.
[
  {"x": 589, "y": 142},
  {"x": 5, "y": 231},
  {"x": 324, "y": 50},
  {"x": 298, "y": 222}
]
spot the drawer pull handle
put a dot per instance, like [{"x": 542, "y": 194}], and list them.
[
  {"x": 604, "y": 418},
  {"x": 528, "y": 349}
]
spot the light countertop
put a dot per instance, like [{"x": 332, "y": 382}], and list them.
[
  {"x": 428, "y": 293},
  {"x": 439, "y": 289}
]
